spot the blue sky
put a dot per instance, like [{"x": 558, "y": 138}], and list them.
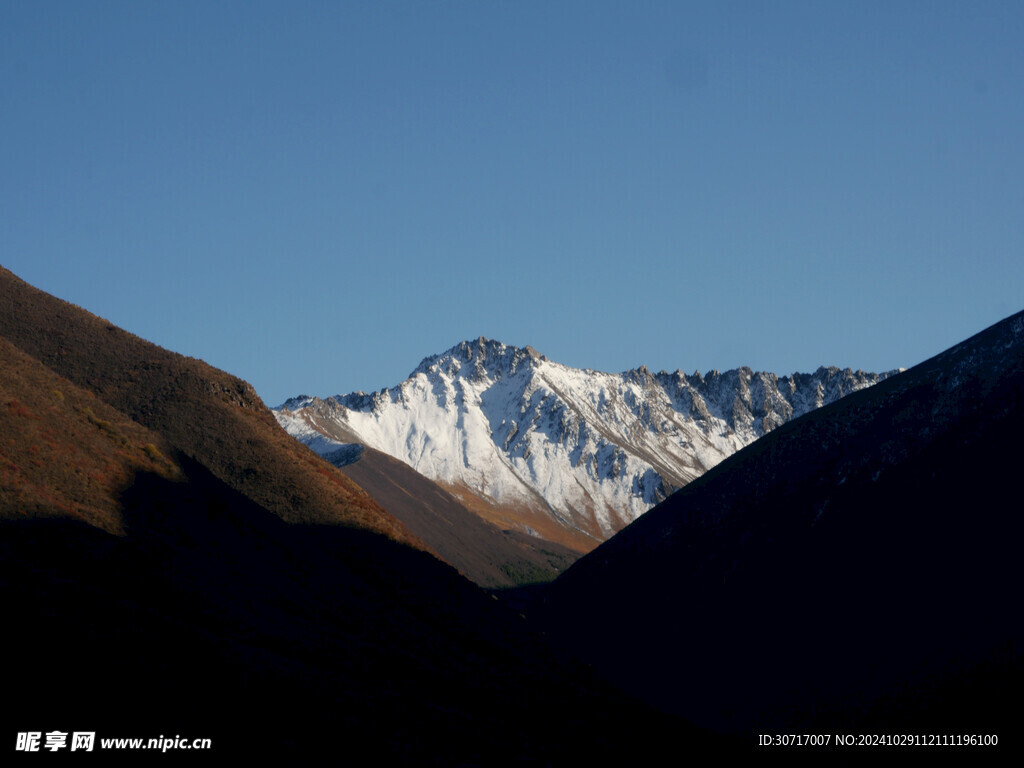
[{"x": 314, "y": 196}]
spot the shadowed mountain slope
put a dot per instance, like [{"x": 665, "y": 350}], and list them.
[
  {"x": 214, "y": 619},
  {"x": 208, "y": 414},
  {"x": 856, "y": 568}
]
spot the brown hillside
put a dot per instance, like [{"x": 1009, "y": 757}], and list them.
[
  {"x": 481, "y": 551},
  {"x": 65, "y": 453},
  {"x": 210, "y": 415}
]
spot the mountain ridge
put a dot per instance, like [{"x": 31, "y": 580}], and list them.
[
  {"x": 581, "y": 453},
  {"x": 852, "y": 569}
]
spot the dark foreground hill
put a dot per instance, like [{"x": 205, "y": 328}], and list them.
[
  {"x": 214, "y": 619},
  {"x": 167, "y": 572},
  {"x": 856, "y": 570}
]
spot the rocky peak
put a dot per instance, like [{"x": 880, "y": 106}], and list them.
[{"x": 480, "y": 359}]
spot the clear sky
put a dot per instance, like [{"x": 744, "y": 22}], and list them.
[{"x": 314, "y": 196}]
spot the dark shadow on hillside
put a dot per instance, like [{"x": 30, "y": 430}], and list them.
[
  {"x": 855, "y": 571},
  {"x": 212, "y": 618}
]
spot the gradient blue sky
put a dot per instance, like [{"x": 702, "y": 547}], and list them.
[{"x": 314, "y": 196}]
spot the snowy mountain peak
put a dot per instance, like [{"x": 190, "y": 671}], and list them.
[
  {"x": 479, "y": 359},
  {"x": 572, "y": 454},
  {"x": 294, "y": 403}
]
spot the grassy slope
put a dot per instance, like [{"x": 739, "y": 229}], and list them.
[
  {"x": 210, "y": 415},
  {"x": 64, "y": 452}
]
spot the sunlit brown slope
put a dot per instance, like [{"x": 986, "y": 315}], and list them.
[
  {"x": 65, "y": 453},
  {"x": 210, "y": 415},
  {"x": 482, "y": 552}
]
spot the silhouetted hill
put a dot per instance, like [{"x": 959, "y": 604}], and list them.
[
  {"x": 212, "y": 618},
  {"x": 857, "y": 568}
]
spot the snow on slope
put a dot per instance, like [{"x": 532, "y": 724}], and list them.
[{"x": 593, "y": 451}]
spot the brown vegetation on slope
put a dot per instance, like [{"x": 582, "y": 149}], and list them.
[
  {"x": 64, "y": 452},
  {"x": 210, "y": 415}
]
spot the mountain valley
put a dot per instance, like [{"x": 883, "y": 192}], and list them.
[{"x": 840, "y": 556}]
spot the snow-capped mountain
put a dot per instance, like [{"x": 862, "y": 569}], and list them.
[{"x": 567, "y": 454}]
